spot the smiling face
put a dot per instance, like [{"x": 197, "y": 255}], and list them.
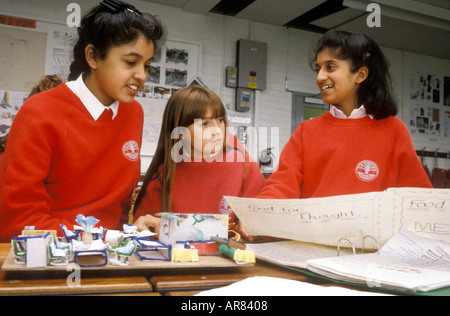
[
  {"x": 337, "y": 83},
  {"x": 122, "y": 73}
]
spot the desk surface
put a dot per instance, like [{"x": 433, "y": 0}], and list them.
[
  {"x": 4, "y": 251},
  {"x": 132, "y": 281}
]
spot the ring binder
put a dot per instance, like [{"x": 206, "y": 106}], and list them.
[
  {"x": 364, "y": 240},
  {"x": 353, "y": 245},
  {"x": 339, "y": 245}
]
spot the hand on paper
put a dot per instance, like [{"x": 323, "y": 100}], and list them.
[
  {"x": 244, "y": 237},
  {"x": 240, "y": 229},
  {"x": 148, "y": 222}
]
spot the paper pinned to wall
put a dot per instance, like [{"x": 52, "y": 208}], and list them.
[
  {"x": 326, "y": 220},
  {"x": 22, "y": 58}
]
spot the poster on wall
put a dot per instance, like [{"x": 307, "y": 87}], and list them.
[
  {"x": 425, "y": 120},
  {"x": 10, "y": 103},
  {"x": 425, "y": 87},
  {"x": 60, "y": 52},
  {"x": 172, "y": 68},
  {"x": 22, "y": 58},
  {"x": 447, "y": 123},
  {"x": 427, "y": 94}
]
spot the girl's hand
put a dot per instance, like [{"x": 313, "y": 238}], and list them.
[
  {"x": 135, "y": 193},
  {"x": 148, "y": 222},
  {"x": 240, "y": 229},
  {"x": 246, "y": 237}
]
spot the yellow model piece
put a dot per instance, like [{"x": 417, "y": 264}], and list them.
[{"x": 184, "y": 255}]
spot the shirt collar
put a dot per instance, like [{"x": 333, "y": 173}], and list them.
[
  {"x": 92, "y": 104},
  {"x": 356, "y": 113}
]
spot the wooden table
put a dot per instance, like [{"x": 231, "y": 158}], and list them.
[
  {"x": 202, "y": 281},
  {"x": 184, "y": 281},
  {"x": 4, "y": 251}
]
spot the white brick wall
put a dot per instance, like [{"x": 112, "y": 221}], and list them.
[{"x": 289, "y": 53}]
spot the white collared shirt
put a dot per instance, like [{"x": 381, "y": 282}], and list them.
[
  {"x": 92, "y": 104},
  {"x": 356, "y": 113}
]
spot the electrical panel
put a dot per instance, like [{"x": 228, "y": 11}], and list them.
[
  {"x": 252, "y": 64},
  {"x": 244, "y": 99},
  {"x": 231, "y": 79}
]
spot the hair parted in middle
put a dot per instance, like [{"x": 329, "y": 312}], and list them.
[
  {"x": 183, "y": 108},
  {"x": 375, "y": 93},
  {"x": 107, "y": 26}
]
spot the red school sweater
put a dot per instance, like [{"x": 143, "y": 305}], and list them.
[
  {"x": 329, "y": 156},
  {"x": 59, "y": 163},
  {"x": 199, "y": 187}
]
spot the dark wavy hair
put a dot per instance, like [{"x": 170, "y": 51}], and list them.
[
  {"x": 362, "y": 51},
  {"x": 105, "y": 29}
]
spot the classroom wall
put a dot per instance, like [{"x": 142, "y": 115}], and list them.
[{"x": 289, "y": 53}]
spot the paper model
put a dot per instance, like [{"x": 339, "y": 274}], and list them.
[
  {"x": 88, "y": 224},
  {"x": 181, "y": 228},
  {"x": 89, "y": 246}
]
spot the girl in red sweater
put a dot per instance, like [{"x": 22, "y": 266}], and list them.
[
  {"x": 358, "y": 146},
  {"x": 74, "y": 149},
  {"x": 195, "y": 164}
]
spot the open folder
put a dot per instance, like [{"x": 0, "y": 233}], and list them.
[
  {"x": 317, "y": 227},
  {"x": 407, "y": 262}
]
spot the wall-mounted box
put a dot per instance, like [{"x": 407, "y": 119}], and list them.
[
  {"x": 251, "y": 61},
  {"x": 231, "y": 77}
]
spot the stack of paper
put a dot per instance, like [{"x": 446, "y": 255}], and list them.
[
  {"x": 292, "y": 253},
  {"x": 407, "y": 262}
]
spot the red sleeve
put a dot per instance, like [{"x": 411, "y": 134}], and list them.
[
  {"x": 27, "y": 161},
  {"x": 286, "y": 181},
  {"x": 151, "y": 203},
  {"x": 406, "y": 164},
  {"x": 254, "y": 180}
]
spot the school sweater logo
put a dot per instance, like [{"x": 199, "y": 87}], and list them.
[
  {"x": 224, "y": 208},
  {"x": 131, "y": 150},
  {"x": 367, "y": 170}
]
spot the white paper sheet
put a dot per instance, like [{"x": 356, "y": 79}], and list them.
[
  {"x": 269, "y": 286},
  {"x": 293, "y": 253},
  {"x": 327, "y": 220}
]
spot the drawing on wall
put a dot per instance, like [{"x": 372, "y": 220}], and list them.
[
  {"x": 22, "y": 58},
  {"x": 425, "y": 87},
  {"x": 425, "y": 120},
  {"x": 61, "y": 50},
  {"x": 177, "y": 56},
  {"x": 154, "y": 74},
  {"x": 447, "y": 123},
  {"x": 176, "y": 77},
  {"x": 427, "y": 94},
  {"x": 153, "y": 112},
  {"x": 172, "y": 68},
  {"x": 10, "y": 103}
]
